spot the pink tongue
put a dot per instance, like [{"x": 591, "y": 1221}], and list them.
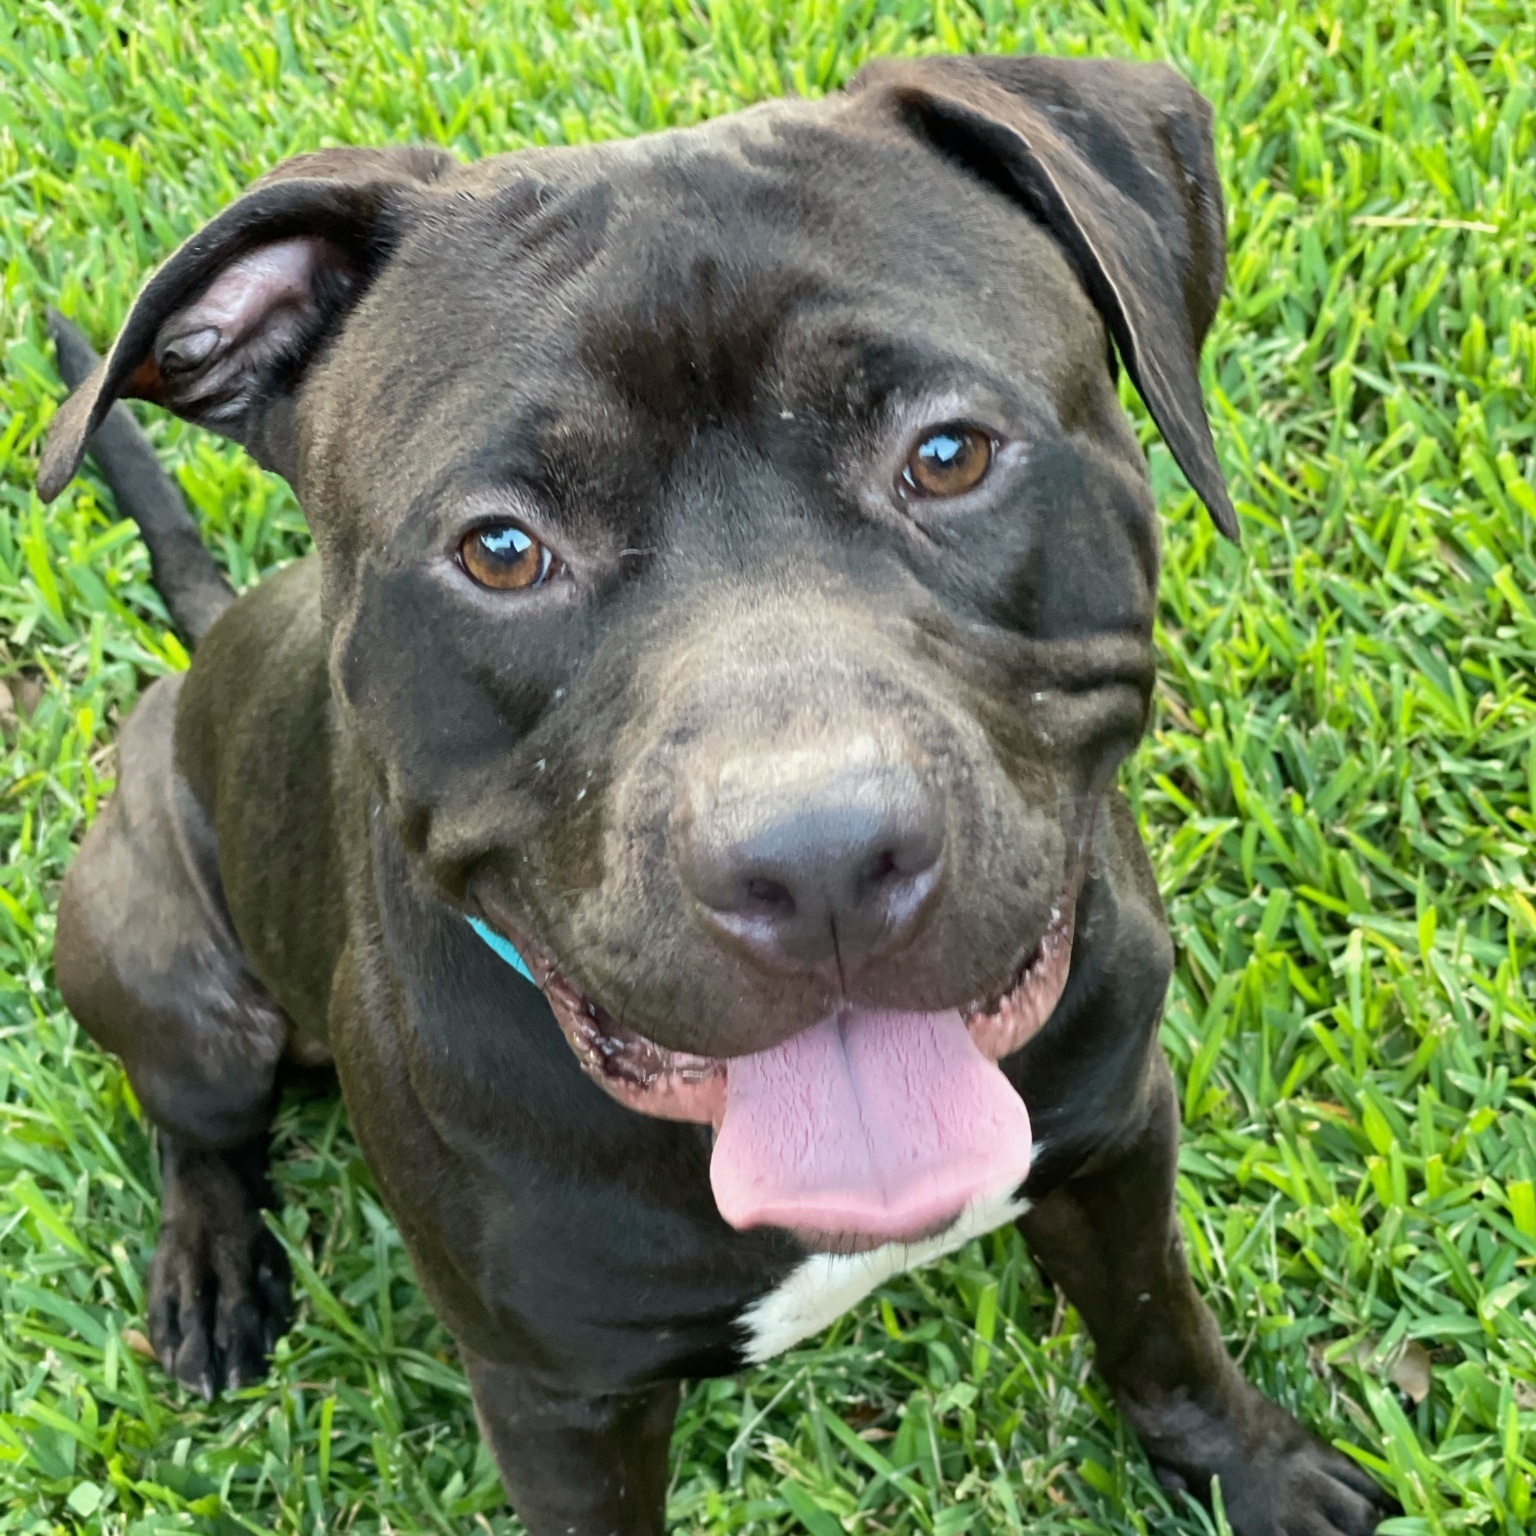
[{"x": 879, "y": 1124}]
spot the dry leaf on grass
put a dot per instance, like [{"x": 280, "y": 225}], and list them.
[
  {"x": 1410, "y": 1371},
  {"x": 138, "y": 1343}
]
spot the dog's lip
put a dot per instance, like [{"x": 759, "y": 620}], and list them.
[
  {"x": 632, "y": 1068},
  {"x": 1012, "y": 1017},
  {"x": 669, "y": 1084}
]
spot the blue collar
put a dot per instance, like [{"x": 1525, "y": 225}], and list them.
[{"x": 507, "y": 951}]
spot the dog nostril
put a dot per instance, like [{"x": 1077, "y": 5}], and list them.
[
  {"x": 771, "y": 897},
  {"x": 910, "y": 856}
]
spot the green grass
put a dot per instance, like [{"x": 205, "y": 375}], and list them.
[{"x": 1339, "y": 792}]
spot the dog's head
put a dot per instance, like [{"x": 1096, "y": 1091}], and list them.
[{"x": 738, "y": 570}]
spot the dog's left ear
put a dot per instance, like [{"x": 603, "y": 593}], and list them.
[{"x": 1116, "y": 161}]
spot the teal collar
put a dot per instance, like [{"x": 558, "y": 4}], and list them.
[{"x": 508, "y": 952}]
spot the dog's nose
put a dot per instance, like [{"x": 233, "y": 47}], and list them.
[{"x": 810, "y": 862}]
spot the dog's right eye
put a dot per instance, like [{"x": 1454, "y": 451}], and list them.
[{"x": 505, "y": 558}]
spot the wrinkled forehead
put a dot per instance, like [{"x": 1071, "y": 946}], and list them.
[{"x": 789, "y": 253}]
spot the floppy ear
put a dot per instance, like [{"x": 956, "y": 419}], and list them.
[
  {"x": 1116, "y": 161},
  {"x": 221, "y": 333}
]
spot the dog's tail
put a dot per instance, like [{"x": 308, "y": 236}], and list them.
[{"x": 185, "y": 575}]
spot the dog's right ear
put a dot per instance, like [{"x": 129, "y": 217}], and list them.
[{"x": 222, "y": 333}]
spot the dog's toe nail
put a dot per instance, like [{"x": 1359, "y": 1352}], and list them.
[{"x": 205, "y": 1387}]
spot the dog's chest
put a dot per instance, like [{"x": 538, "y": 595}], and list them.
[{"x": 824, "y": 1286}]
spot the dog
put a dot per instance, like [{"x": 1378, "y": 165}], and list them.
[{"x": 678, "y": 792}]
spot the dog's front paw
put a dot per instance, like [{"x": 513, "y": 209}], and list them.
[
  {"x": 1277, "y": 1479},
  {"x": 219, "y": 1284}
]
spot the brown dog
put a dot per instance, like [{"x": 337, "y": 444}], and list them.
[{"x": 734, "y": 592}]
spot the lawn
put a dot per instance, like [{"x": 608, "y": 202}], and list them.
[{"x": 1339, "y": 789}]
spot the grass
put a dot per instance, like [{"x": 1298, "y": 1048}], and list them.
[{"x": 1339, "y": 791}]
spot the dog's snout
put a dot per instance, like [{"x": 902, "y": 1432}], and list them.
[{"x": 813, "y": 861}]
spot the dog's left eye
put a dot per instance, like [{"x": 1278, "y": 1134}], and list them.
[
  {"x": 948, "y": 461},
  {"x": 505, "y": 558}
]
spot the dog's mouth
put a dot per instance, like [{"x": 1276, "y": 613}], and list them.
[{"x": 870, "y": 1126}]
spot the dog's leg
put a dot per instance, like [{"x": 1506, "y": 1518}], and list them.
[
  {"x": 219, "y": 1282},
  {"x": 1111, "y": 1240},
  {"x": 150, "y": 966},
  {"x": 576, "y": 1466}
]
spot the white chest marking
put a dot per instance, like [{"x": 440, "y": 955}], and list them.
[{"x": 824, "y": 1286}]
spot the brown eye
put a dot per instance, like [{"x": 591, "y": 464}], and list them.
[
  {"x": 949, "y": 461},
  {"x": 504, "y": 558}
]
